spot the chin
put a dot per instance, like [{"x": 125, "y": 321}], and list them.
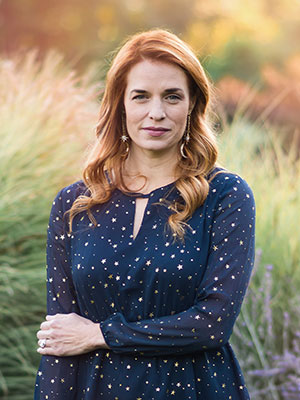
[{"x": 156, "y": 147}]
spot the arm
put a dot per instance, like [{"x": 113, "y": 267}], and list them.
[
  {"x": 209, "y": 322},
  {"x": 56, "y": 377}
]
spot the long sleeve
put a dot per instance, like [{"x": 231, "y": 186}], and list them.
[
  {"x": 208, "y": 323},
  {"x": 56, "y": 376}
]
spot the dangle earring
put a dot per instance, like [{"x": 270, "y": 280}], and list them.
[
  {"x": 124, "y": 136},
  {"x": 187, "y": 136}
]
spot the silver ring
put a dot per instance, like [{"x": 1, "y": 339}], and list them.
[{"x": 43, "y": 343}]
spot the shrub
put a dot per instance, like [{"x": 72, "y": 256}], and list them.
[{"x": 46, "y": 115}]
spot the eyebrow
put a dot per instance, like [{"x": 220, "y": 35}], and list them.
[{"x": 171, "y": 90}]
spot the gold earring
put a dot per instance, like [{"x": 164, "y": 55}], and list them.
[
  {"x": 124, "y": 136},
  {"x": 187, "y": 136}
]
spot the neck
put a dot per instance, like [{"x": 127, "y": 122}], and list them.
[{"x": 158, "y": 168}]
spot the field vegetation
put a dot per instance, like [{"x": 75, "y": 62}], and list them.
[{"x": 47, "y": 118}]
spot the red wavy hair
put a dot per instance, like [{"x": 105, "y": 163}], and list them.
[{"x": 107, "y": 156}]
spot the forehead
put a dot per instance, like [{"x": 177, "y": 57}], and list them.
[{"x": 149, "y": 74}]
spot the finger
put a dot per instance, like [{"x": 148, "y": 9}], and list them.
[
  {"x": 47, "y": 351},
  {"x": 50, "y": 317},
  {"x": 43, "y": 334},
  {"x": 45, "y": 325}
]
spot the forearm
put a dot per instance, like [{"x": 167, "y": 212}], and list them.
[{"x": 199, "y": 328}]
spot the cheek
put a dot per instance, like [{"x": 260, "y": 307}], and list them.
[
  {"x": 180, "y": 120},
  {"x": 133, "y": 114}
]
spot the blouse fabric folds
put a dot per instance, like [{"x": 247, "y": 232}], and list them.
[{"x": 166, "y": 309}]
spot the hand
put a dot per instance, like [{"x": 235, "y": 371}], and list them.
[{"x": 69, "y": 335}]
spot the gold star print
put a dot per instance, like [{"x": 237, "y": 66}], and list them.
[{"x": 215, "y": 248}]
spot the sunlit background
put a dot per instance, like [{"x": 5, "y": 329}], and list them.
[
  {"x": 255, "y": 42},
  {"x": 53, "y": 59}
]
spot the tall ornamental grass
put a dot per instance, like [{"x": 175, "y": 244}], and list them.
[
  {"x": 47, "y": 115},
  {"x": 267, "y": 334}
]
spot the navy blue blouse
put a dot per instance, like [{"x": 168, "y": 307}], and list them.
[{"x": 166, "y": 309}]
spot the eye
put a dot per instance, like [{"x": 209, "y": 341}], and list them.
[
  {"x": 139, "y": 97},
  {"x": 173, "y": 98}
]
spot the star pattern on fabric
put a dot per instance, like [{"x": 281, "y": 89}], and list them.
[{"x": 166, "y": 309}]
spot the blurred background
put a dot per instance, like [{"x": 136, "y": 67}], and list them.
[{"x": 53, "y": 60}]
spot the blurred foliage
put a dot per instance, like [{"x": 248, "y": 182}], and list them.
[
  {"x": 230, "y": 36},
  {"x": 276, "y": 100},
  {"x": 254, "y": 42},
  {"x": 47, "y": 115},
  {"x": 266, "y": 337},
  {"x": 45, "y": 119}
]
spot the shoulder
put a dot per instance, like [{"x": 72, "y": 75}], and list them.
[
  {"x": 229, "y": 186},
  {"x": 68, "y": 194}
]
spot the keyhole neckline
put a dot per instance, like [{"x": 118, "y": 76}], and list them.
[{"x": 150, "y": 194}]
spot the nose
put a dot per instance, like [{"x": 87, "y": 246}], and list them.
[{"x": 156, "y": 111}]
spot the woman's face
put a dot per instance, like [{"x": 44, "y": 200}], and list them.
[{"x": 157, "y": 103}]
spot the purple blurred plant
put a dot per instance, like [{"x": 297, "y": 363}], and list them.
[{"x": 267, "y": 337}]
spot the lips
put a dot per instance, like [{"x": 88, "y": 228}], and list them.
[{"x": 155, "y": 130}]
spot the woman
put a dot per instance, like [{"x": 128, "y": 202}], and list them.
[{"x": 149, "y": 256}]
